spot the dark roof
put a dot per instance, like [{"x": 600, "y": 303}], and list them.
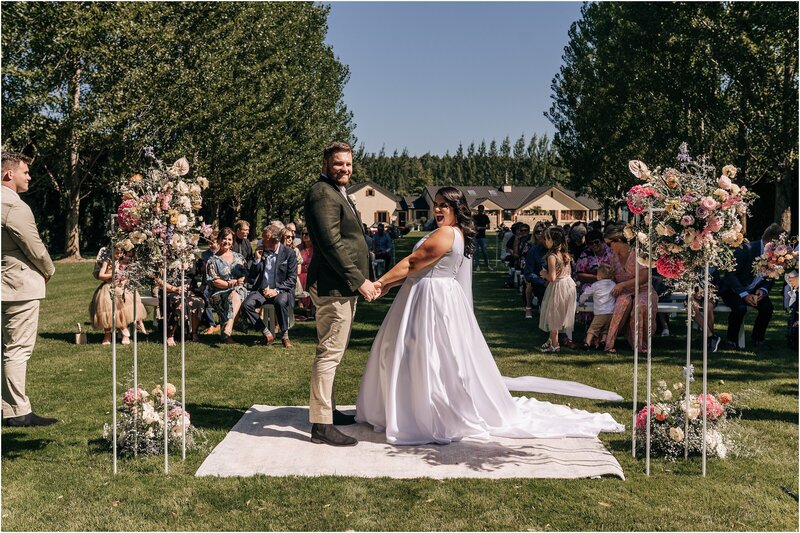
[
  {"x": 386, "y": 192},
  {"x": 413, "y": 202},
  {"x": 517, "y": 198}
]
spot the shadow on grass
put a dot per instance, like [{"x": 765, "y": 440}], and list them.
[
  {"x": 17, "y": 442},
  {"x": 214, "y": 416},
  {"x": 769, "y": 414}
]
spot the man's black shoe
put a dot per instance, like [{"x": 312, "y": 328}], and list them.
[
  {"x": 713, "y": 343},
  {"x": 328, "y": 434},
  {"x": 341, "y": 419},
  {"x": 730, "y": 345},
  {"x": 29, "y": 420}
]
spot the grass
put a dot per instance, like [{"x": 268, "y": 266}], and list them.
[{"x": 59, "y": 478}]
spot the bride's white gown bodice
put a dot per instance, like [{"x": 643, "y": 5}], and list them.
[{"x": 430, "y": 376}]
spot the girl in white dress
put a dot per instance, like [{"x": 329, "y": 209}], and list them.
[
  {"x": 559, "y": 302},
  {"x": 430, "y": 376}
]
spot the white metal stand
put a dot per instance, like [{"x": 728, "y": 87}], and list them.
[{"x": 113, "y": 349}]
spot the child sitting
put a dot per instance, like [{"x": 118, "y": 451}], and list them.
[{"x": 603, "y": 308}]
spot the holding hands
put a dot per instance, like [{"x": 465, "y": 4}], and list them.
[{"x": 370, "y": 290}]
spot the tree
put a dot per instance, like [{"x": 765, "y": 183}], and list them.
[{"x": 640, "y": 78}]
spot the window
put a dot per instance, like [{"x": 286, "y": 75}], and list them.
[
  {"x": 492, "y": 192},
  {"x": 471, "y": 192},
  {"x": 382, "y": 216},
  {"x": 370, "y": 192}
]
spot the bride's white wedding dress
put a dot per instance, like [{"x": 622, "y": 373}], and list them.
[{"x": 431, "y": 378}]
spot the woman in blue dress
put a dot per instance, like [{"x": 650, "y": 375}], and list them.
[{"x": 226, "y": 273}]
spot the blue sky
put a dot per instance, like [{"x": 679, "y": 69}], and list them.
[{"x": 428, "y": 75}]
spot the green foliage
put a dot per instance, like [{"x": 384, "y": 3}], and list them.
[
  {"x": 536, "y": 163},
  {"x": 639, "y": 78},
  {"x": 249, "y": 92}
]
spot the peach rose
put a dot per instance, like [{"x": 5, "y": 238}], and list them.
[
  {"x": 729, "y": 171},
  {"x": 708, "y": 203},
  {"x": 725, "y": 397},
  {"x": 724, "y": 182}
]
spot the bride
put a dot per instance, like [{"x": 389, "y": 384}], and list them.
[{"x": 430, "y": 377}]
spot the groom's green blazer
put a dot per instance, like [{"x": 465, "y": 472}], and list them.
[{"x": 340, "y": 263}]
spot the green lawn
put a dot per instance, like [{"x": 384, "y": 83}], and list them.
[{"x": 59, "y": 477}]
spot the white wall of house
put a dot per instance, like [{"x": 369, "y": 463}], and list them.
[{"x": 375, "y": 206}]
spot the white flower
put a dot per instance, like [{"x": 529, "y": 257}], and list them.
[
  {"x": 137, "y": 237},
  {"x": 734, "y": 189},
  {"x": 677, "y": 386},
  {"x": 676, "y": 434},
  {"x": 203, "y": 182},
  {"x": 662, "y": 384},
  {"x": 149, "y": 415},
  {"x": 126, "y": 245},
  {"x": 642, "y": 236},
  {"x": 181, "y": 187},
  {"x": 639, "y": 169},
  {"x": 185, "y": 202},
  {"x": 666, "y": 395},
  {"x": 182, "y": 221},
  {"x": 194, "y": 189},
  {"x": 180, "y": 167}
]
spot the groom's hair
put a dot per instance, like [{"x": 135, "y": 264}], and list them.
[{"x": 335, "y": 147}]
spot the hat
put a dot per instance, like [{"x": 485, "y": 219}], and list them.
[{"x": 577, "y": 232}]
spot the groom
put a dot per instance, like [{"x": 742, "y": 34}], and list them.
[{"x": 338, "y": 272}]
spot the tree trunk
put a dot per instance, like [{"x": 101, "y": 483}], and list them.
[
  {"x": 785, "y": 192},
  {"x": 72, "y": 243}
]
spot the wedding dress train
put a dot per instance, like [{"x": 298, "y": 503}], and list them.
[{"x": 431, "y": 378}]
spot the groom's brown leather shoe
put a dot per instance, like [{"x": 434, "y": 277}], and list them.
[
  {"x": 341, "y": 419},
  {"x": 328, "y": 434}
]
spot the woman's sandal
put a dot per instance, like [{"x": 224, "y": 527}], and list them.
[{"x": 610, "y": 350}]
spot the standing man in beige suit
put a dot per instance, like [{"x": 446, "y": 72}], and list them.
[
  {"x": 339, "y": 271},
  {"x": 26, "y": 268}
]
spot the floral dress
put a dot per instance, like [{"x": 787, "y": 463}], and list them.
[
  {"x": 195, "y": 304},
  {"x": 218, "y": 268},
  {"x": 622, "y": 318}
]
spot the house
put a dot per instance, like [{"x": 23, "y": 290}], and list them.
[
  {"x": 510, "y": 203},
  {"x": 412, "y": 210},
  {"x": 375, "y": 203}
]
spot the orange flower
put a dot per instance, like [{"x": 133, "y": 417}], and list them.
[
  {"x": 661, "y": 417},
  {"x": 136, "y": 177},
  {"x": 725, "y": 397}
]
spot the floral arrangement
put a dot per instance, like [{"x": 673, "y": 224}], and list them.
[
  {"x": 157, "y": 219},
  {"x": 140, "y": 424},
  {"x": 698, "y": 219},
  {"x": 668, "y": 416},
  {"x": 778, "y": 258}
]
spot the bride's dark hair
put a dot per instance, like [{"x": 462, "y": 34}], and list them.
[{"x": 458, "y": 202}]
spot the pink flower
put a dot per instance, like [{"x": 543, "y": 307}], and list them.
[
  {"x": 696, "y": 245},
  {"x": 708, "y": 203},
  {"x": 641, "y": 418},
  {"x": 165, "y": 201},
  {"x": 701, "y": 212},
  {"x": 713, "y": 408},
  {"x": 670, "y": 267},
  {"x": 724, "y": 182},
  {"x": 131, "y": 398},
  {"x": 687, "y": 220},
  {"x": 124, "y": 218},
  {"x": 714, "y": 224}
]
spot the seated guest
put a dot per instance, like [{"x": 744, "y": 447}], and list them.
[
  {"x": 523, "y": 236},
  {"x": 790, "y": 303},
  {"x": 602, "y": 305},
  {"x": 594, "y": 254},
  {"x": 296, "y": 239},
  {"x": 741, "y": 288},
  {"x": 623, "y": 261},
  {"x": 577, "y": 240},
  {"x": 100, "y": 307},
  {"x": 274, "y": 274},
  {"x": 534, "y": 263},
  {"x": 382, "y": 242},
  {"x": 241, "y": 241},
  {"x": 226, "y": 274},
  {"x": 201, "y": 284},
  {"x": 508, "y": 240},
  {"x": 287, "y": 239},
  {"x": 306, "y": 252},
  {"x": 194, "y": 303}
]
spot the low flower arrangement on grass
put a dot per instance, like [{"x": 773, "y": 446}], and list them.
[
  {"x": 157, "y": 219},
  {"x": 668, "y": 414},
  {"x": 140, "y": 424},
  {"x": 700, "y": 222},
  {"x": 778, "y": 258}
]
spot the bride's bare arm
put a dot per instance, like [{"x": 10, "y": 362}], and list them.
[{"x": 439, "y": 243}]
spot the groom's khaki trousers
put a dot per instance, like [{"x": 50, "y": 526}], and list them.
[{"x": 334, "y": 319}]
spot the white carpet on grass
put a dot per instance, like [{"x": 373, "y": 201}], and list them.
[{"x": 275, "y": 441}]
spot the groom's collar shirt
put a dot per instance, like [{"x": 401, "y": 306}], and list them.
[{"x": 342, "y": 190}]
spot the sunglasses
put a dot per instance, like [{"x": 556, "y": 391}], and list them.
[{"x": 592, "y": 243}]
